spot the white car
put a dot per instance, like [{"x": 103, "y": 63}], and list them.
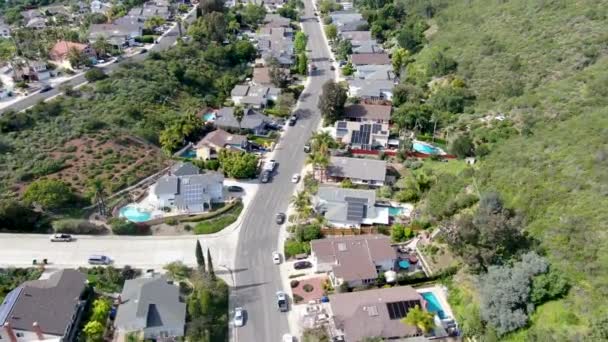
[
  {"x": 287, "y": 338},
  {"x": 61, "y": 238},
  {"x": 238, "y": 317},
  {"x": 276, "y": 258},
  {"x": 295, "y": 178}
]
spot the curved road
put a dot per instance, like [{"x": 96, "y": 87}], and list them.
[
  {"x": 165, "y": 42},
  {"x": 257, "y": 278}
]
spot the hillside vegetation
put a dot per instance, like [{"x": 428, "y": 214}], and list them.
[{"x": 544, "y": 65}]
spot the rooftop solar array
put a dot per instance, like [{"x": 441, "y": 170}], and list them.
[
  {"x": 356, "y": 208},
  {"x": 398, "y": 310}
]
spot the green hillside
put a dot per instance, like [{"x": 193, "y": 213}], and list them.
[{"x": 544, "y": 65}]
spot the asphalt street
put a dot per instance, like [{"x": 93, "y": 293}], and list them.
[
  {"x": 257, "y": 278},
  {"x": 164, "y": 43}
]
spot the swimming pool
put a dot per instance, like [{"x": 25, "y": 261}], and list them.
[
  {"x": 189, "y": 153},
  {"x": 134, "y": 214},
  {"x": 209, "y": 116},
  {"x": 404, "y": 264},
  {"x": 425, "y": 148},
  {"x": 395, "y": 211},
  {"x": 433, "y": 304}
]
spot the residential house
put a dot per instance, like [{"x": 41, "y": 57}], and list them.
[
  {"x": 261, "y": 76},
  {"x": 45, "y": 309},
  {"x": 362, "y": 135},
  {"x": 371, "y": 90},
  {"x": 60, "y": 51},
  {"x": 101, "y": 7},
  {"x": 356, "y": 35},
  {"x": 37, "y": 23},
  {"x": 187, "y": 190},
  {"x": 253, "y": 95},
  {"x": 370, "y": 172},
  {"x": 120, "y": 33},
  {"x": 375, "y": 313},
  {"x": 5, "y": 30},
  {"x": 213, "y": 142},
  {"x": 349, "y": 208},
  {"x": 346, "y": 21},
  {"x": 276, "y": 43},
  {"x": 31, "y": 71},
  {"x": 370, "y": 59},
  {"x": 275, "y": 20},
  {"x": 252, "y": 120},
  {"x": 152, "y": 306},
  {"x": 366, "y": 46},
  {"x": 356, "y": 260},
  {"x": 375, "y": 72},
  {"x": 273, "y": 5},
  {"x": 149, "y": 10},
  {"x": 368, "y": 113}
]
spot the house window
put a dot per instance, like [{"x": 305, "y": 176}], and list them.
[{"x": 19, "y": 334}]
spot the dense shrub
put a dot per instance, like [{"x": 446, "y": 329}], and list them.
[{"x": 77, "y": 226}]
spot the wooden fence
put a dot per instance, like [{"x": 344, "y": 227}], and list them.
[{"x": 327, "y": 231}]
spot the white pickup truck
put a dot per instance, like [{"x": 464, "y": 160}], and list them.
[{"x": 269, "y": 165}]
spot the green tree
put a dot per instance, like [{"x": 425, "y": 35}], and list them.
[
  {"x": 238, "y": 164},
  {"x": 462, "y": 146},
  {"x": 348, "y": 69},
  {"x": 210, "y": 269},
  {"x": 299, "y": 42},
  {"x": 78, "y": 59},
  {"x": 200, "y": 259},
  {"x": 423, "y": 321},
  {"x": 344, "y": 49},
  {"x": 331, "y": 103},
  {"x": 14, "y": 216},
  {"x": 400, "y": 59},
  {"x": 94, "y": 74},
  {"x": 121, "y": 226},
  {"x": 101, "y": 310},
  {"x": 153, "y": 22},
  {"x": 93, "y": 331},
  {"x": 97, "y": 193},
  {"x": 302, "y": 63},
  {"x": 302, "y": 205},
  {"x": 278, "y": 76},
  {"x": 239, "y": 114},
  {"x": 49, "y": 194},
  {"x": 253, "y": 14},
  {"x": 285, "y": 103},
  {"x": 102, "y": 46},
  {"x": 347, "y": 184},
  {"x": 331, "y": 32}
]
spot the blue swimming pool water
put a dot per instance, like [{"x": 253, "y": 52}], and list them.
[
  {"x": 404, "y": 264},
  {"x": 209, "y": 116},
  {"x": 395, "y": 211},
  {"x": 134, "y": 214},
  {"x": 189, "y": 153},
  {"x": 433, "y": 304},
  {"x": 424, "y": 148}
]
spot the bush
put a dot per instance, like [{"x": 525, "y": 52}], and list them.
[
  {"x": 297, "y": 298},
  {"x": 294, "y": 284},
  {"x": 147, "y": 39},
  {"x": 77, "y": 226},
  {"x": 308, "y": 233},
  {"x": 94, "y": 74},
  {"x": 293, "y": 247},
  {"x": 220, "y": 222},
  {"x": 121, "y": 226},
  {"x": 308, "y": 288}
]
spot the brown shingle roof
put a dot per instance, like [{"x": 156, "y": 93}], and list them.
[
  {"x": 220, "y": 138},
  {"x": 370, "y": 58},
  {"x": 368, "y": 111},
  {"x": 354, "y": 257},
  {"x": 365, "y": 314}
]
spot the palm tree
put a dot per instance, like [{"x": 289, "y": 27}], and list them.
[
  {"x": 239, "y": 114},
  {"x": 423, "y": 321},
  {"x": 101, "y": 46},
  {"x": 323, "y": 138},
  {"x": 97, "y": 188},
  {"x": 302, "y": 205}
]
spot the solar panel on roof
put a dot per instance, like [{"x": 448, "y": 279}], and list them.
[
  {"x": 376, "y": 128},
  {"x": 398, "y": 310},
  {"x": 341, "y": 124}
]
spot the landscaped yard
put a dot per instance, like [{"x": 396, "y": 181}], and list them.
[{"x": 218, "y": 223}]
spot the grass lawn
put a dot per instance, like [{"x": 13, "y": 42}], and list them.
[
  {"x": 262, "y": 141},
  {"x": 218, "y": 223},
  {"x": 453, "y": 166}
]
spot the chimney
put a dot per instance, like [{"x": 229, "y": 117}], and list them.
[
  {"x": 9, "y": 331},
  {"x": 38, "y": 331}
]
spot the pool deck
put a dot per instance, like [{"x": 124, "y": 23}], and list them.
[{"x": 441, "y": 294}]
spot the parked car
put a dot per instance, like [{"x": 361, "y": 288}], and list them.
[
  {"x": 239, "y": 319},
  {"x": 265, "y": 178},
  {"x": 234, "y": 188},
  {"x": 45, "y": 88},
  {"x": 61, "y": 238},
  {"x": 292, "y": 120},
  {"x": 142, "y": 51},
  {"x": 99, "y": 260},
  {"x": 280, "y": 218},
  {"x": 287, "y": 338},
  {"x": 282, "y": 301},
  {"x": 295, "y": 178},
  {"x": 307, "y": 148},
  {"x": 332, "y": 67},
  {"x": 300, "y": 265},
  {"x": 276, "y": 257}
]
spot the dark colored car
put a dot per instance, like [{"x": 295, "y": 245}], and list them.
[
  {"x": 307, "y": 148},
  {"x": 46, "y": 88},
  {"x": 332, "y": 68},
  {"x": 280, "y": 218},
  {"x": 143, "y": 51},
  {"x": 265, "y": 177},
  {"x": 300, "y": 265},
  {"x": 292, "y": 120},
  {"x": 234, "y": 188}
]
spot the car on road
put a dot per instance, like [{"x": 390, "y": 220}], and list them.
[
  {"x": 276, "y": 257},
  {"x": 99, "y": 260},
  {"x": 300, "y": 265},
  {"x": 282, "y": 301},
  {"x": 316, "y": 14},
  {"x": 239, "y": 317},
  {"x": 287, "y": 338},
  {"x": 292, "y": 120},
  {"x": 235, "y": 188},
  {"x": 45, "y": 88},
  {"x": 332, "y": 68},
  {"x": 142, "y": 51},
  {"x": 280, "y": 218},
  {"x": 307, "y": 148},
  {"x": 265, "y": 178},
  {"x": 61, "y": 238},
  {"x": 295, "y": 178}
]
